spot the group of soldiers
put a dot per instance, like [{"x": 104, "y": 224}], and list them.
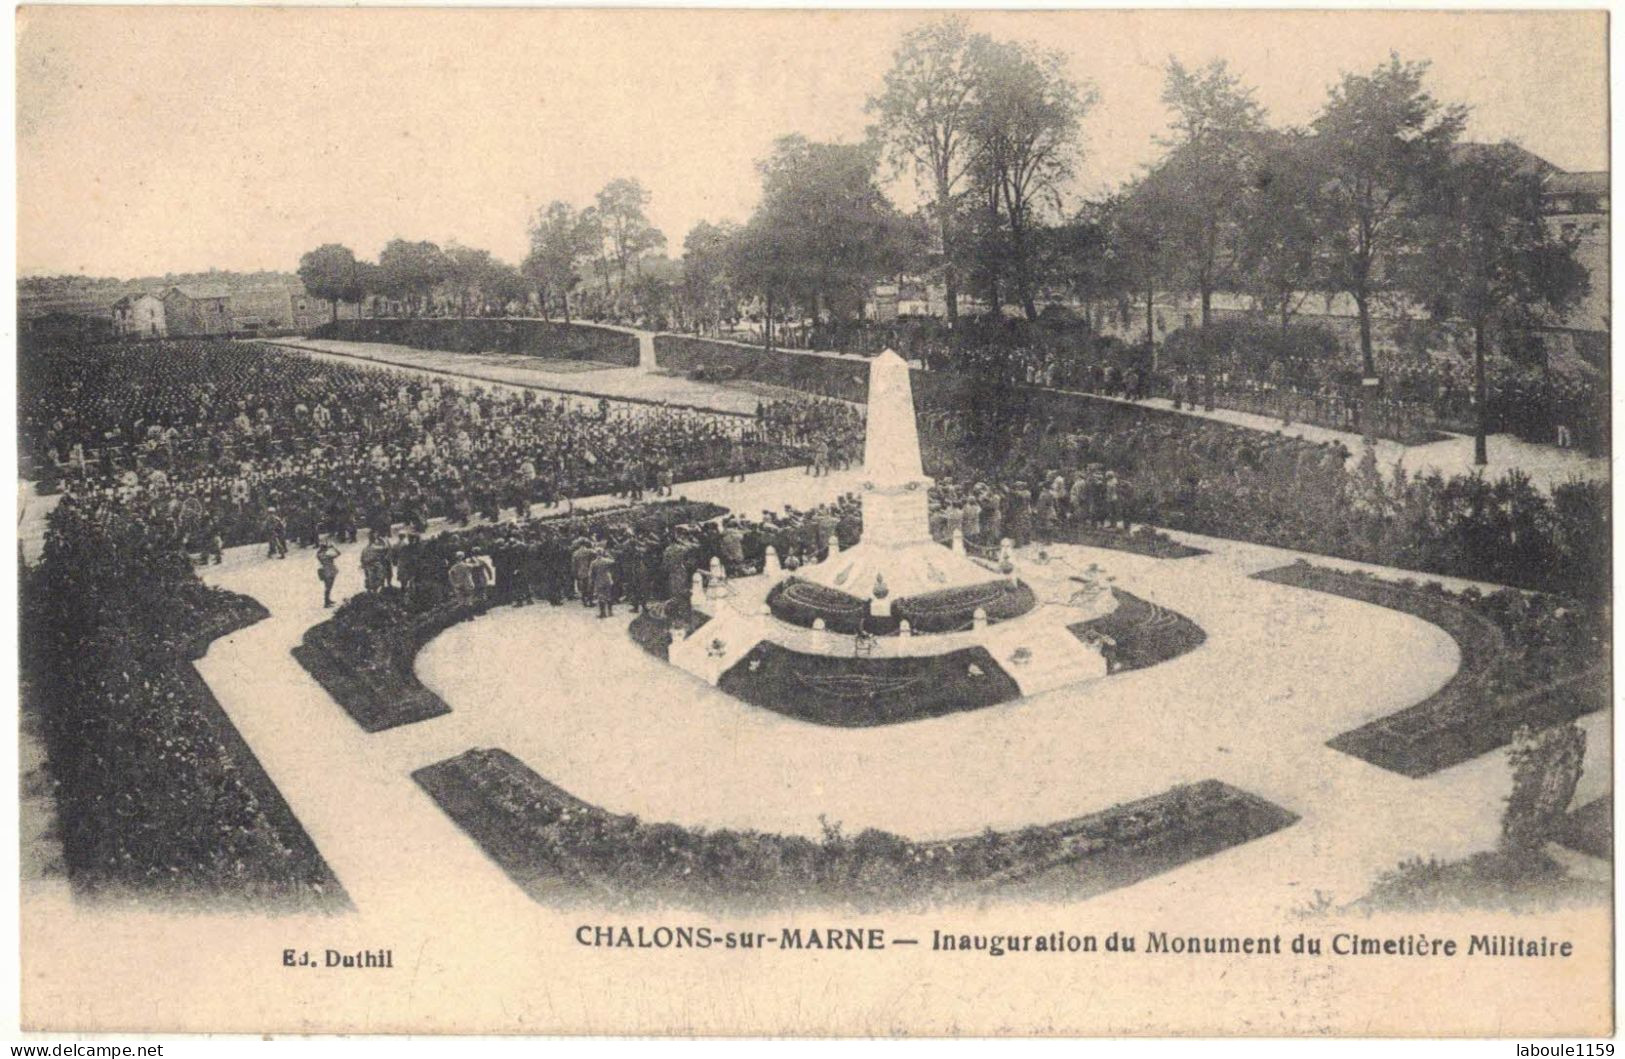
[
  {"x": 1025, "y": 510},
  {"x": 231, "y": 443},
  {"x": 636, "y": 557}
]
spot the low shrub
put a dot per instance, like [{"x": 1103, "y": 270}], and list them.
[
  {"x": 856, "y": 692},
  {"x": 1526, "y": 659},
  {"x": 559, "y": 848},
  {"x": 1139, "y": 634},
  {"x": 532, "y": 338},
  {"x": 157, "y": 793}
]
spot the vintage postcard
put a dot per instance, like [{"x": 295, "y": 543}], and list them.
[{"x": 744, "y": 522}]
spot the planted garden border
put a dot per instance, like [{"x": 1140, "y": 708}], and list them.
[
  {"x": 561, "y": 850},
  {"x": 1142, "y": 540},
  {"x": 367, "y": 665},
  {"x": 364, "y": 655},
  {"x": 1481, "y": 707},
  {"x": 1143, "y": 633},
  {"x": 855, "y": 692},
  {"x": 801, "y": 602}
]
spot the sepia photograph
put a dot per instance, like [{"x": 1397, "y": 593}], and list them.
[{"x": 814, "y": 523}]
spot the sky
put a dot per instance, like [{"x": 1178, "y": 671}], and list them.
[{"x": 178, "y": 139}]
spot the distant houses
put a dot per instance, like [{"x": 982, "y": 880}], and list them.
[
  {"x": 139, "y": 316},
  {"x": 198, "y": 310},
  {"x": 188, "y": 309}
]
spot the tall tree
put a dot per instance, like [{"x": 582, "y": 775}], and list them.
[
  {"x": 503, "y": 287},
  {"x": 560, "y": 239},
  {"x": 330, "y": 271},
  {"x": 1212, "y": 141},
  {"x": 1142, "y": 255},
  {"x": 628, "y": 234},
  {"x": 706, "y": 275},
  {"x": 835, "y": 231},
  {"x": 1081, "y": 251},
  {"x": 1381, "y": 141},
  {"x": 1488, "y": 258},
  {"x": 369, "y": 283},
  {"x": 1025, "y": 125},
  {"x": 923, "y": 118},
  {"x": 468, "y": 274},
  {"x": 762, "y": 266},
  {"x": 1280, "y": 227},
  {"x": 411, "y": 271}
]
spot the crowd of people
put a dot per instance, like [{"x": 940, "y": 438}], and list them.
[
  {"x": 228, "y": 443},
  {"x": 170, "y": 447},
  {"x": 1141, "y": 467},
  {"x": 1408, "y": 404},
  {"x": 633, "y": 556}
]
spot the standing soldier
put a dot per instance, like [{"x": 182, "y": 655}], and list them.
[
  {"x": 276, "y": 534},
  {"x": 634, "y": 576},
  {"x": 675, "y": 563},
  {"x": 602, "y": 575},
  {"x": 327, "y": 568},
  {"x": 375, "y": 564},
  {"x": 581, "y": 569}
]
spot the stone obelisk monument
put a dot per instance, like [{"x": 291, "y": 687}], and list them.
[{"x": 896, "y": 547}]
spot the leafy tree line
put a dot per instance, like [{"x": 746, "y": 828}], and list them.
[{"x": 1377, "y": 199}]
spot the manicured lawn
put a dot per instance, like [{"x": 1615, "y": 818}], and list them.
[{"x": 561, "y": 850}]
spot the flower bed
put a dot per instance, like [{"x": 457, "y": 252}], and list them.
[
  {"x": 953, "y": 609},
  {"x": 1142, "y": 634},
  {"x": 650, "y": 631},
  {"x": 1590, "y": 829},
  {"x": 803, "y": 602},
  {"x": 1142, "y": 540},
  {"x": 1500, "y": 880},
  {"x": 862, "y": 692},
  {"x": 950, "y": 610},
  {"x": 157, "y": 793},
  {"x": 1525, "y": 660},
  {"x": 559, "y": 849},
  {"x": 364, "y": 659},
  {"x": 364, "y": 654}
]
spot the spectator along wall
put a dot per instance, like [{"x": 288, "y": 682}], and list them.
[{"x": 847, "y": 377}]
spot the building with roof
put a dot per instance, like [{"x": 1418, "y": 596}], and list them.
[
  {"x": 261, "y": 309},
  {"x": 192, "y": 310},
  {"x": 1576, "y": 205},
  {"x": 139, "y": 315}
]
